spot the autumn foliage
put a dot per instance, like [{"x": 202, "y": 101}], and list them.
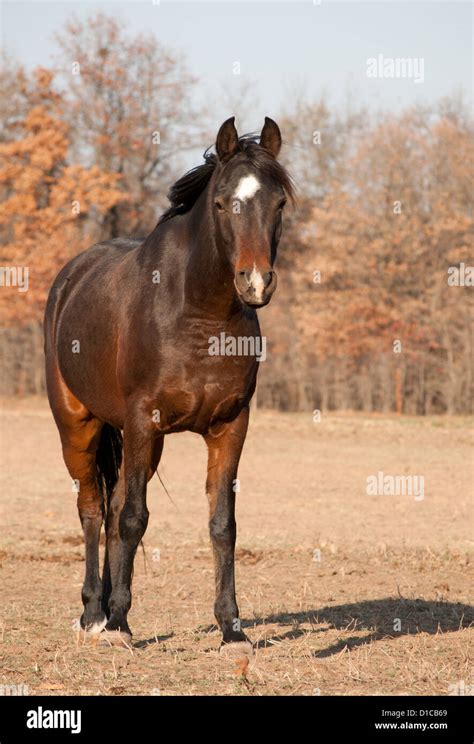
[
  {"x": 46, "y": 200},
  {"x": 364, "y": 316},
  {"x": 386, "y": 209}
]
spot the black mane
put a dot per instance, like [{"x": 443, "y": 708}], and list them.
[{"x": 183, "y": 194}]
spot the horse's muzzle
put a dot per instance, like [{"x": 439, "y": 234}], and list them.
[{"x": 255, "y": 288}]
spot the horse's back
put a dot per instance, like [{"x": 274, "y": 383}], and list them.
[
  {"x": 97, "y": 257},
  {"x": 99, "y": 260}
]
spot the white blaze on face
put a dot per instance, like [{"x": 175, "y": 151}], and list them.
[
  {"x": 247, "y": 187},
  {"x": 256, "y": 281}
]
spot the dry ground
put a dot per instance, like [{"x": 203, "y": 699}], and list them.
[{"x": 325, "y": 626}]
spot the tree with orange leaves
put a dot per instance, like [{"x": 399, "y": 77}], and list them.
[
  {"x": 45, "y": 200},
  {"x": 385, "y": 209},
  {"x": 129, "y": 106}
]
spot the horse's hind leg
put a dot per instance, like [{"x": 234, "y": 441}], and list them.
[
  {"x": 79, "y": 452},
  {"x": 80, "y": 433}
]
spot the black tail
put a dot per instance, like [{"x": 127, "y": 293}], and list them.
[{"x": 108, "y": 461}]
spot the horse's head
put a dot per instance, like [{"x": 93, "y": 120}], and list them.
[{"x": 250, "y": 192}]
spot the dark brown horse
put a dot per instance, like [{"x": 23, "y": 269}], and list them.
[{"x": 128, "y": 331}]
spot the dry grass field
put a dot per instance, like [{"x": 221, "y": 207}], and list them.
[{"x": 341, "y": 592}]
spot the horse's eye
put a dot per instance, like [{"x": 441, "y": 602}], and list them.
[
  {"x": 219, "y": 205},
  {"x": 281, "y": 204}
]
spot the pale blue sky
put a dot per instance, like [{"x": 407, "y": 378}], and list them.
[{"x": 281, "y": 46}]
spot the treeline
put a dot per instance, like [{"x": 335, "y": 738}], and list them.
[
  {"x": 380, "y": 302},
  {"x": 366, "y": 315}
]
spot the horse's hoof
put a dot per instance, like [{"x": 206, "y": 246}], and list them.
[
  {"x": 91, "y": 634},
  {"x": 236, "y": 650},
  {"x": 116, "y": 638}
]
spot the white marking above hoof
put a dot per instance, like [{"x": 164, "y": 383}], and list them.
[
  {"x": 236, "y": 650},
  {"x": 92, "y": 633},
  {"x": 97, "y": 627}
]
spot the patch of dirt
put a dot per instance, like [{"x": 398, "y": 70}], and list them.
[{"x": 341, "y": 592}]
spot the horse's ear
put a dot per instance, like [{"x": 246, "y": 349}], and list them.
[
  {"x": 270, "y": 137},
  {"x": 227, "y": 142}
]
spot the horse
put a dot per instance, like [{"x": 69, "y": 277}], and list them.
[{"x": 127, "y": 327}]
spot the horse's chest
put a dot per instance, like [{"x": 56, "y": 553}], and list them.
[{"x": 198, "y": 393}]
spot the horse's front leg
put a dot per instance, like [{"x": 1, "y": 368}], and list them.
[
  {"x": 139, "y": 446},
  {"x": 224, "y": 444},
  {"x": 113, "y": 551}
]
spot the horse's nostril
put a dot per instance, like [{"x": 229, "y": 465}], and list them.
[
  {"x": 243, "y": 279},
  {"x": 267, "y": 278}
]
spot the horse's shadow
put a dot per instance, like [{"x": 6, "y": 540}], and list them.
[
  {"x": 383, "y": 618},
  {"x": 144, "y": 643}
]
